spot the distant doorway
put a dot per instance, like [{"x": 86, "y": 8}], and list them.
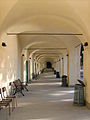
[{"x": 49, "y": 65}]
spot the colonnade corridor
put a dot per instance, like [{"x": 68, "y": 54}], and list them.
[{"x": 47, "y": 100}]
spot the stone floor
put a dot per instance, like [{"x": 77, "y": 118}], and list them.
[{"x": 46, "y": 100}]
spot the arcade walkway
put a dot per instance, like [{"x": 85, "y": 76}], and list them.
[{"x": 46, "y": 100}]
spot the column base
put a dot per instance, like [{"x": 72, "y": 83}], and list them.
[
  {"x": 57, "y": 75},
  {"x": 54, "y": 72},
  {"x": 88, "y": 105}
]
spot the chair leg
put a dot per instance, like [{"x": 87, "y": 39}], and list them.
[
  {"x": 15, "y": 92},
  {"x": 22, "y": 93},
  {"x": 26, "y": 88},
  {"x": 6, "y": 114},
  {"x": 12, "y": 105},
  {"x": 9, "y": 110},
  {"x": 16, "y": 102}
]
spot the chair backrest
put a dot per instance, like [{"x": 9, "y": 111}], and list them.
[
  {"x": 22, "y": 83},
  {"x": 10, "y": 84},
  {"x": 0, "y": 94},
  {"x": 18, "y": 85},
  {"x": 0, "y": 91},
  {"x": 17, "y": 82},
  {"x": 4, "y": 92},
  {"x": 3, "y": 89}
]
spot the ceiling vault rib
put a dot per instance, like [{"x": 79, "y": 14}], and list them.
[
  {"x": 45, "y": 48},
  {"x": 44, "y": 33}
]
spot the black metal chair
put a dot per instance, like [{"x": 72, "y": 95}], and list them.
[
  {"x": 9, "y": 97},
  {"x": 23, "y": 84},
  {"x": 18, "y": 87},
  {"x": 5, "y": 103}
]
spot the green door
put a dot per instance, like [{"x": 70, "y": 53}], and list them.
[{"x": 26, "y": 71}]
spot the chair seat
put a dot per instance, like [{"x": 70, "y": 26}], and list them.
[
  {"x": 7, "y": 99},
  {"x": 4, "y": 103},
  {"x": 1, "y": 108},
  {"x": 11, "y": 96}
]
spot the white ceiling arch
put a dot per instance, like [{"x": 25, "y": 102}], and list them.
[
  {"x": 45, "y": 16},
  {"x": 38, "y": 15}
]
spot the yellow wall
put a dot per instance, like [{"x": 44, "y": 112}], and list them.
[{"x": 8, "y": 60}]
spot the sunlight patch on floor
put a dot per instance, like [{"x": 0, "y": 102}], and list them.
[
  {"x": 25, "y": 104},
  {"x": 41, "y": 119},
  {"x": 63, "y": 100},
  {"x": 57, "y": 94},
  {"x": 71, "y": 91},
  {"x": 55, "y": 83},
  {"x": 49, "y": 76},
  {"x": 67, "y": 100},
  {"x": 61, "y": 93}
]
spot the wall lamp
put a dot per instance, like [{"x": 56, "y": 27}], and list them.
[
  {"x": 67, "y": 55},
  {"x": 4, "y": 44},
  {"x": 22, "y": 54},
  {"x": 86, "y": 44}
]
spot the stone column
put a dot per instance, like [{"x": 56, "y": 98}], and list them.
[
  {"x": 65, "y": 63},
  {"x": 62, "y": 62},
  {"x": 68, "y": 68},
  {"x": 72, "y": 67},
  {"x": 86, "y": 73},
  {"x": 27, "y": 65}
]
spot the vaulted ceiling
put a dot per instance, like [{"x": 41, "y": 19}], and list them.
[{"x": 46, "y": 16}]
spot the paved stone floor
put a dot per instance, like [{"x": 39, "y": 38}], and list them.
[{"x": 46, "y": 100}]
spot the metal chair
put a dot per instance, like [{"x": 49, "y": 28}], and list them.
[
  {"x": 7, "y": 97},
  {"x": 18, "y": 87},
  {"x": 4, "y": 103}
]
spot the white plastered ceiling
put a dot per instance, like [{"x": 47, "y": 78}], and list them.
[{"x": 46, "y": 16}]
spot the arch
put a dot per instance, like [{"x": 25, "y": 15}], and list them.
[{"x": 25, "y": 10}]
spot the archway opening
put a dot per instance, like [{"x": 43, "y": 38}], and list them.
[{"x": 49, "y": 65}]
